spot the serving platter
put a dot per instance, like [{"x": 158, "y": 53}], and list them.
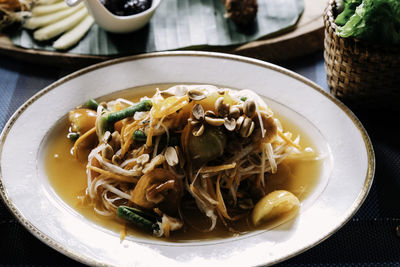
[
  {"x": 342, "y": 187},
  {"x": 305, "y": 38}
]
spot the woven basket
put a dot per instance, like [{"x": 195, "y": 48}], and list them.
[{"x": 361, "y": 74}]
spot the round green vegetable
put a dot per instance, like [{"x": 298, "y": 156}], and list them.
[{"x": 209, "y": 145}]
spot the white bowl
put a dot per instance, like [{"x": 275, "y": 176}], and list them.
[{"x": 117, "y": 24}]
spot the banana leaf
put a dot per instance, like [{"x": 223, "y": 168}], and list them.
[{"x": 181, "y": 24}]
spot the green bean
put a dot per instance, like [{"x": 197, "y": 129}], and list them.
[
  {"x": 107, "y": 120},
  {"x": 139, "y": 135},
  {"x": 92, "y": 104},
  {"x": 138, "y": 218}
]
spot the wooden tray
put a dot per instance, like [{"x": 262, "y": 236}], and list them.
[{"x": 306, "y": 38}]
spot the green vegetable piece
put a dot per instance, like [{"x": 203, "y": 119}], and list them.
[
  {"x": 144, "y": 214},
  {"x": 139, "y": 135},
  {"x": 107, "y": 120},
  {"x": 73, "y": 136},
  {"x": 376, "y": 21},
  {"x": 349, "y": 10},
  {"x": 243, "y": 98},
  {"x": 92, "y": 104},
  {"x": 208, "y": 146},
  {"x": 137, "y": 217}
]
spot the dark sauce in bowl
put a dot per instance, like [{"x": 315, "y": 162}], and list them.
[{"x": 126, "y": 7}]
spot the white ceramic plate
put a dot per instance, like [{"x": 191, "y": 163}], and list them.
[{"x": 344, "y": 183}]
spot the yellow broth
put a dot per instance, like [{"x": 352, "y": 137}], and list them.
[{"x": 67, "y": 176}]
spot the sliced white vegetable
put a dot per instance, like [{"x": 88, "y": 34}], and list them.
[
  {"x": 40, "y": 21},
  {"x": 61, "y": 26},
  {"x": 279, "y": 204},
  {"x": 47, "y": 2},
  {"x": 73, "y": 36},
  {"x": 41, "y": 10}
]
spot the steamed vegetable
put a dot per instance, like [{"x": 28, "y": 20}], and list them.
[
  {"x": 40, "y": 21},
  {"x": 48, "y": 9},
  {"x": 208, "y": 146},
  {"x": 138, "y": 218},
  {"x": 73, "y": 36},
  {"x": 54, "y": 18},
  {"x": 91, "y": 104},
  {"x": 274, "y": 205},
  {"x": 82, "y": 120},
  {"x": 372, "y": 20},
  {"x": 107, "y": 120},
  {"x": 61, "y": 26},
  {"x": 158, "y": 188}
]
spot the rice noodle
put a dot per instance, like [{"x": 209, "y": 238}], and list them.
[
  {"x": 99, "y": 183},
  {"x": 123, "y": 100},
  {"x": 262, "y": 169},
  {"x": 105, "y": 213},
  {"x": 94, "y": 152},
  {"x": 116, "y": 169},
  {"x": 112, "y": 199},
  {"x": 106, "y": 203},
  {"x": 208, "y": 210},
  {"x": 141, "y": 116},
  {"x": 200, "y": 192},
  {"x": 158, "y": 138},
  {"x": 243, "y": 152},
  {"x": 260, "y": 120},
  {"x": 117, "y": 191},
  {"x": 270, "y": 155},
  {"x": 247, "y": 169},
  {"x": 128, "y": 161}
]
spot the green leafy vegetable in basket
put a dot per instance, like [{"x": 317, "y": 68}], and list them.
[
  {"x": 349, "y": 8},
  {"x": 376, "y": 21}
]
